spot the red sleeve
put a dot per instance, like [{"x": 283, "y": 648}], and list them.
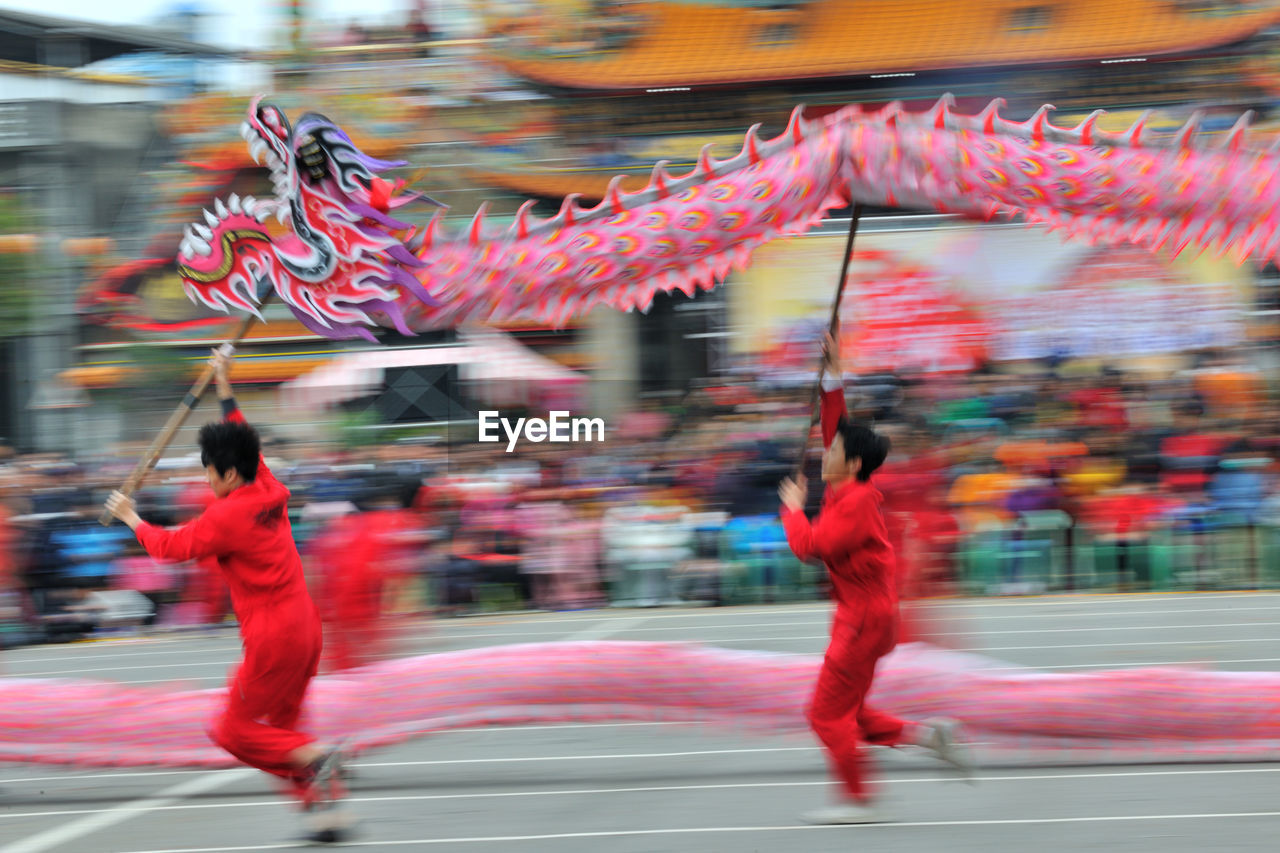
[
  {"x": 204, "y": 536},
  {"x": 831, "y": 535},
  {"x": 833, "y": 409}
]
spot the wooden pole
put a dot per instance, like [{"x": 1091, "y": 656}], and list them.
[
  {"x": 175, "y": 422},
  {"x": 833, "y": 326}
]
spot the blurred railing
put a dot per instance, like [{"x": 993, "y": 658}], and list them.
[{"x": 1047, "y": 552}]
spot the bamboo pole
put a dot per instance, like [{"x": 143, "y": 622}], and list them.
[
  {"x": 833, "y": 327},
  {"x": 176, "y": 420}
]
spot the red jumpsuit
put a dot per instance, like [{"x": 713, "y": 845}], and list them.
[
  {"x": 248, "y": 532},
  {"x": 849, "y": 536}
]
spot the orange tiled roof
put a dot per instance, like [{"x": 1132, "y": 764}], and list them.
[{"x": 687, "y": 44}]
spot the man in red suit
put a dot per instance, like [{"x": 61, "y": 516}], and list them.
[
  {"x": 849, "y": 537},
  {"x": 247, "y": 530}
]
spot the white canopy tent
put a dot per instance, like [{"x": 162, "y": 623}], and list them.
[{"x": 502, "y": 369}]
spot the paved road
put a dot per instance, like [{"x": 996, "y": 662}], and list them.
[{"x": 653, "y": 787}]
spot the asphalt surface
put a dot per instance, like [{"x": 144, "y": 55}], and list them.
[{"x": 654, "y": 787}]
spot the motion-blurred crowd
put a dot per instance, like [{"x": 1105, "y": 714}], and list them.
[{"x": 999, "y": 483}]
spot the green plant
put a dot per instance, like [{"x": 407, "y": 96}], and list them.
[
  {"x": 156, "y": 369},
  {"x": 352, "y": 428}
]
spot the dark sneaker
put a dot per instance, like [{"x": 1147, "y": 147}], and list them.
[
  {"x": 322, "y": 837},
  {"x": 329, "y": 826}
]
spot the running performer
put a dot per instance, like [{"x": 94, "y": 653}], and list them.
[
  {"x": 246, "y": 528},
  {"x": 849, "y": 536}
]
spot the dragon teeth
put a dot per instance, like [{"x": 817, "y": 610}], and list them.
[
  {"x": 256, "y": 149},
  {"x": 255, "y": 208},
  {"x": 246, "y": 131},
  {"x": 220, "y": 209},
  {"x": 234, "y": 204},
  {"x": 259, "y": 210},
  {"x": 195, "y": 239},
  {"x": 210, "y": 218}
]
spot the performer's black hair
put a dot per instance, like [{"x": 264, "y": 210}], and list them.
[
  {"x": 863, "y": 442},
  {"x": 229, "y": 444}
]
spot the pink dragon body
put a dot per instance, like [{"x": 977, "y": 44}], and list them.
[
  {"x": 1133, "y": 713},
  {"x": 347, "y": 264}
]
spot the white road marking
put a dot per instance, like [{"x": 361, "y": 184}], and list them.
[
  {"x": 1063, "y": 599},
  {"x": 704, "y": 830},
  {"x": 1126, "y": 645},
  {"x": 946, "y": 780},
  {"x": 602, "y": 631},
  {"x": 606, "y": 628},
  {"x": 599, "y": 757},
  {"x": 1103, "y": 614},
  {"x": 1115, "y": 664},
  {"x": 114, "y": 655},
  {"x": 132, "y": 775},
  {"x": 224, "y": 664},
  {"x": 628, "y": 625},
  {"x": 603, "y": 757},
  {"x": 978, "y": 632},
  {"x": 813, "y": 624},
  {"x": 67, "y": 832}
]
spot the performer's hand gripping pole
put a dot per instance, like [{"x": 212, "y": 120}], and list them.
[
  {"x": 176, "y": 420},
  {"x": 833, "y": 327}
]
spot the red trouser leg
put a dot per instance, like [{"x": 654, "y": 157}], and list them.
[
  {"x": 879, "y": 728},
  {"x": 260, "y": 723},
  {"x": 840, "y": 718}
]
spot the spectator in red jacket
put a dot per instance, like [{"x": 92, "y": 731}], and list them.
[{"x": 849, "y": 536}]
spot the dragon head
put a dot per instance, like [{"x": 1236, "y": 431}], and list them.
[
  {"x": 344, "y": 262},
  {"x": 314, "y": 153}
]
